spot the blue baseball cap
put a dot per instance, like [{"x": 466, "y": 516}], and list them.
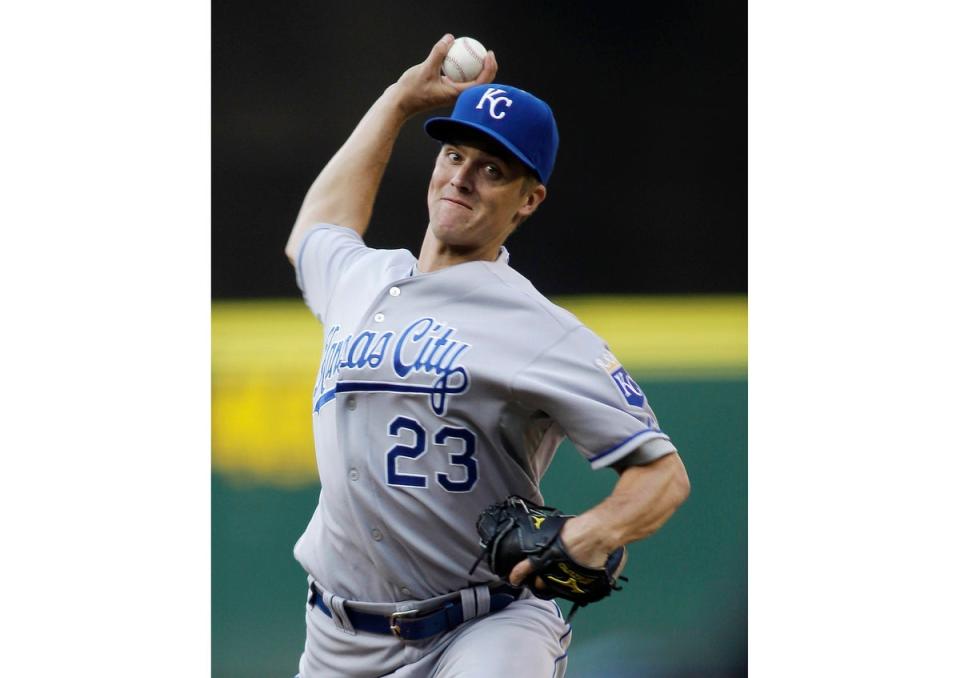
[{"x": 516, "y": 119}]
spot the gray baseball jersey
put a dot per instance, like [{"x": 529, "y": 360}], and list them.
[{"x": 439, "y": 394}]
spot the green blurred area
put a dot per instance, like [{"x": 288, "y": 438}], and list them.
[{"x": 683, "y": 613}]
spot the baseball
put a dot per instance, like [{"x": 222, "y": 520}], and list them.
[{"x": 464, "y": 61}]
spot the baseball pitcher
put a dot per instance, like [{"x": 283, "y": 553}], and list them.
[{"x": 446, "y": 385}]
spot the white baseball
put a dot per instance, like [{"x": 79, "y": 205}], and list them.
[{"x": 464, "y": 61}]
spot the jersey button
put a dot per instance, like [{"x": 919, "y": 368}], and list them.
[
  {"x": 354, "y": 474},
  {"x": 378, "y": 318},
  {"x": 375, "y": 533},
  {"x": 394, "y": 291},
  {"x": 351, "y": 403},
  {"x": 404, "y": 590}
]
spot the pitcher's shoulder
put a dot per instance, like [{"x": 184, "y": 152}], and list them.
[{"x": 525, "y": 292}]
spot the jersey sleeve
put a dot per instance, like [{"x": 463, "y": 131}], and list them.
[
  {"x": 581, "y": 385},
  {"x": 326, "y": 253}
]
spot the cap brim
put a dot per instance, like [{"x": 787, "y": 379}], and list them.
[{"x": 446, "y": 129}]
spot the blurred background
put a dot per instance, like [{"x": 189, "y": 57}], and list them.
[{"x": 643, "y": 236}]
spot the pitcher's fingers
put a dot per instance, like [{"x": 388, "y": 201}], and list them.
[
  {"x": 489, "y": 70},
  {"x": 486, "y": 74},
  {"x": 521, "y": 571},
  {"x": 439, "y": 51}
]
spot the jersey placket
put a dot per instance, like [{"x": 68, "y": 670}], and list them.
[{"x": 362, "y": 460}]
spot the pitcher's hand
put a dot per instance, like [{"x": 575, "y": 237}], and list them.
[{"x": 423, "y": 87}]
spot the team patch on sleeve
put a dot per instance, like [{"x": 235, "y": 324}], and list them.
[{"x": 618, "y": 373}]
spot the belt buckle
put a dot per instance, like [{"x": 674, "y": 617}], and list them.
[{"x": 394, "y": 624}]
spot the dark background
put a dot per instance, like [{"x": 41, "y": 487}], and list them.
[{"x": 649, "y": 191}]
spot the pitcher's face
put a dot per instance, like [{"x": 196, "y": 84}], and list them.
[{"x": 475, "y": 197}]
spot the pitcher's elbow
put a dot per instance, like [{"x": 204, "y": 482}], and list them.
[{"x": 681, "y": 482}]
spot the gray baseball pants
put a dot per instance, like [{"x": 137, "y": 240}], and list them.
[{"x": 527, "y": 638}]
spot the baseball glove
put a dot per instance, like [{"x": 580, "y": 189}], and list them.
[{"x": 516, "y": 529}]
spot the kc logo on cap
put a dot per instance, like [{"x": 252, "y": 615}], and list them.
[
  {"x": 514, "y": 118},
  {"x": 490, "y": 97}
]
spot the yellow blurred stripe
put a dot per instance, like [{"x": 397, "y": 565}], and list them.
[
  {"x": 265, "y": 336},
  {"x": 694, "y": 336},
  {"x": 266, "y": 353},
  {"x": 265, "y": 356}
]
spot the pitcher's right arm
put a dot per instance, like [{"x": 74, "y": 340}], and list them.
[{"x": 346, "y": 189}]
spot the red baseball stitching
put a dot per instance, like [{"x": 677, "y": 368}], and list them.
[
  {"x": 466, "y": 46},
  {"x": 463, "y": 75}
]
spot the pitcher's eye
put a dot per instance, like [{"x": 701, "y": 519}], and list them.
[{"x": 493, "y": 171}]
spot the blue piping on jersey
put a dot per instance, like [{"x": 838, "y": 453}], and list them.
[
  {"x": 556, "y": 663},
  {"x": 623, "y": 442}
]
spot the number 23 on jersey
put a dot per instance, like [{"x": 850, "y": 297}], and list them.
[{"x": 460, "y": 444}]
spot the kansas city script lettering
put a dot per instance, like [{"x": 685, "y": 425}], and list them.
[{"x": 423, "y": 347}]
